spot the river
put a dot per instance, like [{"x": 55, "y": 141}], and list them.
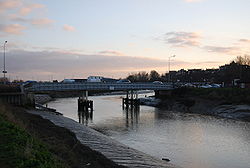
[{"x": 188, "y": 140}]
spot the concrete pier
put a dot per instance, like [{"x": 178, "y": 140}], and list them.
[
  {"x": 131, "y": 100},
  {"x": 85, "y": 117},
  {"x": 85, "y": 105}
]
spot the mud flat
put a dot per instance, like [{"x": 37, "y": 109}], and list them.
[{"x": 233, "y": 103}]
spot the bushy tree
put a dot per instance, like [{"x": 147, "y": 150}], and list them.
[
  {"x": 139, "y": 77},
  {"x": 154, "y": 75}
]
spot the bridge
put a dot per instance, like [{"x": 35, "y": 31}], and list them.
[
  {"x": 131, "y": 99},
  {"x": 88, "y": 86}
]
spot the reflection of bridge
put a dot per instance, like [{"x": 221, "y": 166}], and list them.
[{"x": 39, "y": 87}]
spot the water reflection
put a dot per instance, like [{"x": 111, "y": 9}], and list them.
[
  {"x": 132, "y": 117},
  {"x": 85, "y": 117},
  {"x": 188, "y": 140}
]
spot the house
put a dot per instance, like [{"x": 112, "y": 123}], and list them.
[{"x": 95, "y": 79}]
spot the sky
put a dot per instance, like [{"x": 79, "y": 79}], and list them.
[{"x": 58, "y": 39}]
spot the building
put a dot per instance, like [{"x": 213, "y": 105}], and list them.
[{"x": 95, "y": 79}]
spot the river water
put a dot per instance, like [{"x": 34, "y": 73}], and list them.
[{"x": 188, "y": 140}]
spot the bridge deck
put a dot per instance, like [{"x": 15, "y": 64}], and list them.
[{"x": 97, "y": 86}]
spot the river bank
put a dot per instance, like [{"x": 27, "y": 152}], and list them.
[
  {"x": 230, "y": 103},
  {"x": 60, "y": 142},
  {"x": 79, "y": 146}
]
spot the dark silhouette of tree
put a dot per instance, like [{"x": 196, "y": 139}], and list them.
[
  {"x": 132, "y": 77},
  {"x": 243, "y": 60},
  {"x": 143, "y": 76},
  {"x": 139, "y": 77},
  {"x": 237, "y": 69},
  {"x": 154, "y": 76}
]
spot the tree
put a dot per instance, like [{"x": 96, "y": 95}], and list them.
[
  {"x": 243, "y": 60},
  {"x": 154, "y": 76},
  {"x": 139, "y": 77},
  {"x": 132, "y": 77},
  {"x": 143, "y": 76}
]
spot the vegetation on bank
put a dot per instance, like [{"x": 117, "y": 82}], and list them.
[
  {"x": 32, "y": 141},
  {"x": 18, "y": 149}
]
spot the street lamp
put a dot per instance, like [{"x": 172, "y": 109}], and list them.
[
  {"x": 169, "y": 66},
  {"x": 4, "y": 71}
]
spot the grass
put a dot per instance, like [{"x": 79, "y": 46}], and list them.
[
  {"x": 28, "y": 140},
  {"x": 18, "y": 149}
]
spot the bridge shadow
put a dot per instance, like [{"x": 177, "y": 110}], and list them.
[
  {"x": 132, "y": 117},
  {"x": 85, "y": 117}
]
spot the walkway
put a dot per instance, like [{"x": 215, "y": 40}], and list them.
[{"x": 119, "y": 153}]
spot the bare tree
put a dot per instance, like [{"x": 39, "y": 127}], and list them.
[{"x": 243, "y": 60}]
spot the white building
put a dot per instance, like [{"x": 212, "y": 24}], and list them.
[{"x": 95, "y": 79}]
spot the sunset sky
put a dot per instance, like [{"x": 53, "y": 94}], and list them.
[{"x": 57, "y": 39}]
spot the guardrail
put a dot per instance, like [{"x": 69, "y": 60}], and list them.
[{"x": 96, "y": 86}]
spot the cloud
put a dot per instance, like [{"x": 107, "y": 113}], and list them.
[
  {"x": 29, "y": 8},
  {"x": 68, "y": 28},
  {"x": 224, "y": 50},
  {"x": 192, "y": 39},
  {"x": 182, "y": 39},
  {"x": 192, "y": 1},
  {"x": 35, "y": 22},
  {"x": 111, "y": 52},
  {"x": 61, "y": 64},
  {"x": 206, "y": 63},
  {"x": 42, "y": 22},
  {"x": 19, "y": 11},
  {"x": 9, "y": 4},
  {"x": 17, "y": 18},
  {"x": 37, "y": 63},
  {"x": 15, "y": 29},
  {"x": 244, "y": 40}
]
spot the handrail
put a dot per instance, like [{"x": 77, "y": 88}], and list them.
[{"x": 96, "y": 86}]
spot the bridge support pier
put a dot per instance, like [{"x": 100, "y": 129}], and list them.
[
  {"x": 131, "y": 100},
  {"x": 85, "y": 108}
]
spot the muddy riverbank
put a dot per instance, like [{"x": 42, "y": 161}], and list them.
[{"x": 228, "y": 103}]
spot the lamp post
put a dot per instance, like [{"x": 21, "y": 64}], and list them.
[
  {"x": 169, "y": 67},
  {"x": 4, "y": 70}
]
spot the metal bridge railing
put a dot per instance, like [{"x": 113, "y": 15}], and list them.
[{"x": 96, "y": 86}]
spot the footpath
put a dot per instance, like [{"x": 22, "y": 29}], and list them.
[{"x": 111, "y": 149}]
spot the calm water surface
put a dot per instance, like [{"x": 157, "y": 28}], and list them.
[{"x": 188, "y": 140}]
